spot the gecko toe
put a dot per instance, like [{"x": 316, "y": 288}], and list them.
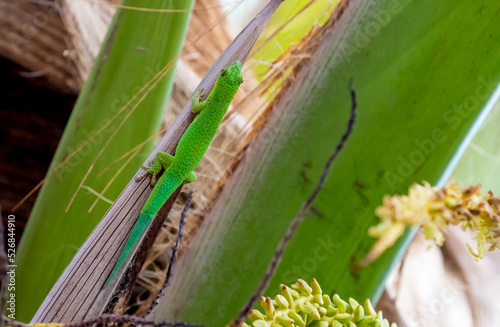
[{"x": 141, "y": 177}]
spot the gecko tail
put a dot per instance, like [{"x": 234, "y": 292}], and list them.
[
  {"x": 160, "y": 194},
  {"x": 140, "y": 226}
]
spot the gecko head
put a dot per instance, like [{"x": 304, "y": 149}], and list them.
[{"x": 231, "y": 76}]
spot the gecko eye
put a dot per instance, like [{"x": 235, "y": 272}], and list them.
[{"x": 223, "y": 72}]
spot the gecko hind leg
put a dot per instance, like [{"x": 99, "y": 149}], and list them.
[{"x": 161, "y": 160}]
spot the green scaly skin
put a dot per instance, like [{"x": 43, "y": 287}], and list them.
[{"x": 188, "y": 154}]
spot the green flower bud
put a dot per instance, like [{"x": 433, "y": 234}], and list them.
[
  {"x": 322, "y": 324},
  {"x": 369, "y": 308},
  {"x": 302, "y": 287},
  {"x": 260, "y": 323},
  {"x": 298, "y": 319},
  {"x": 256, "y": 315},
  {"x": 353, "y": 303},
  {"x": 303, "y": 305},
  {"x": 339, "y": 303},
  {"x": 316, "y": 289},
  {"x": 326, "y": 301},
  {"x": 331, "y": 311},
  {"x": 358, "y": 313},
  {"x": 286, "y": 292},
  {"x": 343, "y": 317},
  {"x": 317, "y": 299},
  {"x": 336, "y": 323},
  {"x": 281, "y": 301},
  {"x": 285, "y": 321},
  {"x": 268, "y": 307},
  {"x": 367, "y": 320},
  {"x": 306, "y": 308}
]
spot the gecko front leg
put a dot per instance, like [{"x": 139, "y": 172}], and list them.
[
  {"x": 162, "y": 160},
  {"x": 196, "y": 105}
]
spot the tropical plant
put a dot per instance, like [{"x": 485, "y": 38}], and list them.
[{"x": 424, "y": 79}]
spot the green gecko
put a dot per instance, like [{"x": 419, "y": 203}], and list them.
[{"x": 188, "y": 154}]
